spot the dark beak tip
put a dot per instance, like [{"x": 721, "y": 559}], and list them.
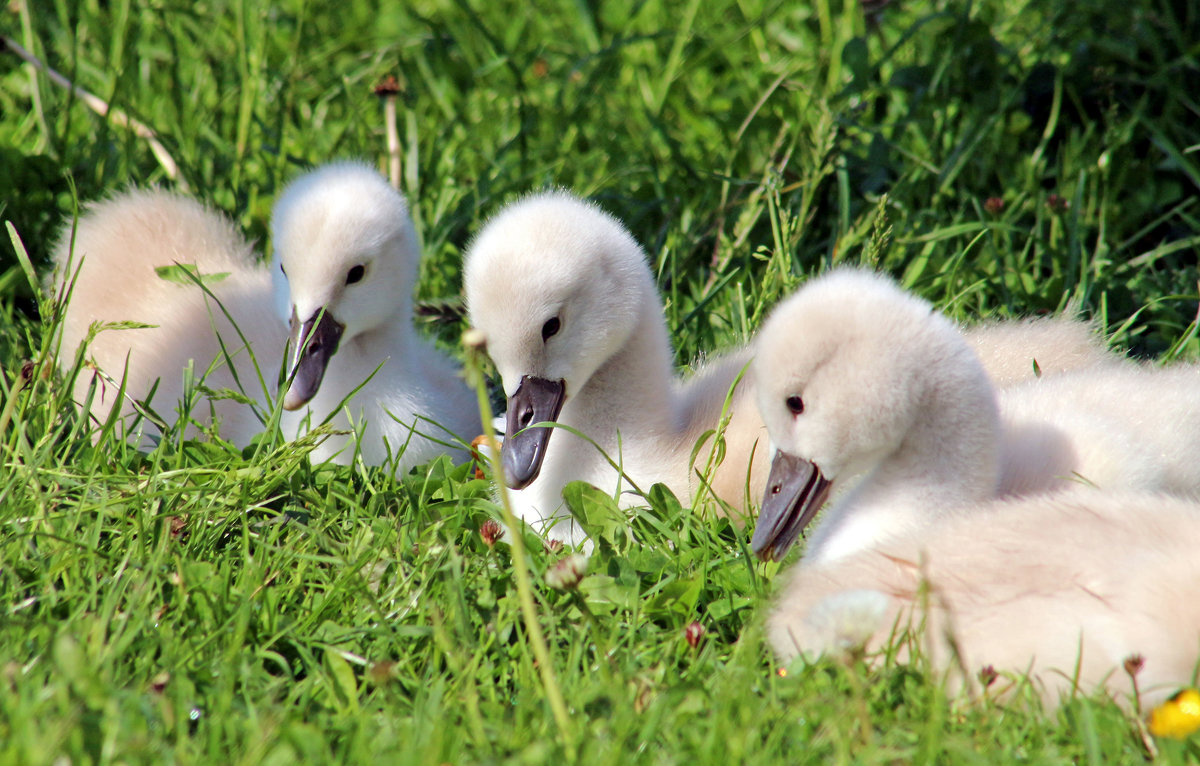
[
  {"x": 512, "y": 482},
  {"x": 515, "y": 476}
]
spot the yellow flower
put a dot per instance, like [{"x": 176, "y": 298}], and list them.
[{"x": 1177, "y": 717}]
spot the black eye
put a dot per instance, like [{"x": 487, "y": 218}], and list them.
[
  {"x": 355, "y": 274},
  {"x": 550, "y": 329},
  {"x": 795, "y": 404},
  {"x": 282, "y": 270}
]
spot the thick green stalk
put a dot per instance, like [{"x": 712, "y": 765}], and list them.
[{"x": 533, "y": 628}]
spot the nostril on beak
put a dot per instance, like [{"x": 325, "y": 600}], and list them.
[{"x": 526, "y": 417}]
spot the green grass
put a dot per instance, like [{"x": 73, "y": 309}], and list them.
[{"x": 204, "y": 604}]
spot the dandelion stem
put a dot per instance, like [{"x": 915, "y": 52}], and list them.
[
  {"x": 529, "y": 611},
  {"x": 388, "y": 89}
]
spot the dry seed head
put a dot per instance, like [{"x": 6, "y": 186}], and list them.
[
  {"x": 693, "y": 633},
  {"x": 987, "y": 676},
  {"x": 491, "y": 531},
  {"x": 567, "y": 572},
  {"x": 388, "y": 86},
  {"x": 1134, "y": 663}
]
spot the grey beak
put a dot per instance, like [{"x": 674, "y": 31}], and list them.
[
  {"x": 796, "y": 490},
  {"x": 314, "y": 342},
  {"x": 536, "y": 400}
]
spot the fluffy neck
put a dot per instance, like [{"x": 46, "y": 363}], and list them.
[
  {"x": 949, "y": 458},
  {"x": 629, "y": 396},
  {"x": 392, "y": 336},
  {"x": 357, "y": 358},
  {"x": 631, "y": 392}
]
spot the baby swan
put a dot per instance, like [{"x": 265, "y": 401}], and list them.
[
  {"x": 1015, "y": 583},
  {"x": 906, "y": 405},
  {"x": 345, "y": 264},
  {"x": 114, "y": 249},
  {"x": 855, "y": 377},
  {"x": 574, "y": 323},
  {"x": 346, "y": 242}
]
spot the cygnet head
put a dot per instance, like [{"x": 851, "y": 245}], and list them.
[
  {"x": 845, "y": 368},
  {"x": 346, "y": 258},
  {"x": 557, "y": 286}
]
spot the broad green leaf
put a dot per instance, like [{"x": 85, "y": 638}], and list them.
[{"x": 341, "y": 680}]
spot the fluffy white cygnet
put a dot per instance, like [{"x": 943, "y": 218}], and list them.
[
  {"x": 346, "y": 257},
  {"x": 574, "y": 323},
  {"x": 346, "y": 242},
  {"x": 1020, "y": 584}
]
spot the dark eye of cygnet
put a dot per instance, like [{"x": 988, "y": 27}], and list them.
[
  {"x": 355, "y": 274},
  {"x": 795, "y": 404},
  {"x": 550, "y": 328}
]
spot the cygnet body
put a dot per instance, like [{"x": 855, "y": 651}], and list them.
[
  {"x": 574, "y": 323},
  {"x": 114, "y": 250},
  {"x": 1063, "y": 588},
  {"x": 1117, "y": 426},
  {"x": 1016, "y": 351},
  {"x": 347, "y": 242}
]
